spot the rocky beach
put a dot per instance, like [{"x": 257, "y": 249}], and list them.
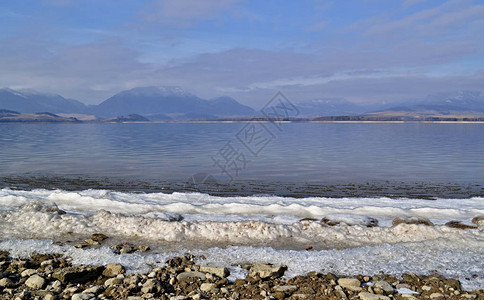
[{"x": 53, "y": 276}]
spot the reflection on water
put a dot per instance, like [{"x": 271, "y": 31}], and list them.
[{"x": 300, "y": 152}]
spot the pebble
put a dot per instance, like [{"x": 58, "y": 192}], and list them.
[
  {"x": 217, "y": 271},
  {"x": 28, "y": 272},
  {"x": 351, "y": 284},
  {"x": 113, "y": 270},
  {"x": 385, "y": 286},
  {"x": 82, "y": 296},
  {"x": 6, "y": 282},
  {"x": 35, "y": 282},
  {"x": 207, "y": 287},
  {"x": 267, "y": 270},
  {"x": 369, "y": 296}
]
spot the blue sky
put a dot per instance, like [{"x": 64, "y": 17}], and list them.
[{"x": 363, "y": 51}]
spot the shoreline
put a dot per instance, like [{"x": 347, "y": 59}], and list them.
[{"x": 53, "y": 276}]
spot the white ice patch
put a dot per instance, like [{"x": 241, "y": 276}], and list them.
[
  {"x": 272, "y": 209},
  {"x": 451, "y": 260}
]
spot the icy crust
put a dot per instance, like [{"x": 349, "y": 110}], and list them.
[
  {"x": 35, "y": 220},
  {"x": 450, "y": 259},
  {"x": 280, "y": 210}
]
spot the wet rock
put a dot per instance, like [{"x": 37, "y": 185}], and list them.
[
  {"x": 82, "y": 245},
  {"x": 267, "y": 271},
  {"x": 478, "y": 220},
  {"x": 99, "y": 237},
  {"x": 113, "y": 270},
  {"x": 36, "y": 282},
  {"x": 78, "y": 274},
  {"x": 370, "y": 296},
  {"x": 329, "y": 222},
  {"x": 412, "y": 220},
  {"x": 91, "y": 242},
  {"x": 123, "y": 248},
  {"x": 308, "y": 220},
  {"x": 217, "y": 271},
  {"x": 459, "y": 225},
  {"x": 142, "y": 248},
  {"x": 182, "y": 261},
  {"x": 351, "y": 284}
]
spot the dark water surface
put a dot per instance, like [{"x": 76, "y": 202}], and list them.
[{"x": 297, "y": 154}]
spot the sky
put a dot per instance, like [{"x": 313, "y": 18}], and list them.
[{"x": 366, "y": 51}]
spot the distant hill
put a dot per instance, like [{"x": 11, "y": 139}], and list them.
[
  {"x": 174, "y": 103},
  {"x": 37, "y": 117},
  {"x": 130, "y": 118},
  {"x": 169, "y": 102},
  {"x": 28, "y": 101},
  {"x": 451, "y": 105}
]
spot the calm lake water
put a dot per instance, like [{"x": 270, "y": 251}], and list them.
[{"x": 291, "y": 152}]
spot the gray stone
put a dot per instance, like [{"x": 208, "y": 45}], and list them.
[
  {"x": 55, "y": 286},
  {"x": 285, "y": 288},
  {"x": 189, "y": 275},
  {"x": 436, "y": 296},
  {"x": 82, "y": 296},
  {"x": 36, "y": 282},
  {"x": 49, "y": 297},
  {"x": 217, "y": 271},
  {"x": 6, "y": 282},
  {"x": 113, "y": 281},
  {"x": 78, "y": 274},
  {"x": 351, "y": 284},
  {"x": 369, "y": 296},
  {"x": 385, "y": 286},
  {"x": 207, "y": 287},
  {"x": 28, "y": 272},
  {"x": 301, "y": 296},
  {"x": 179, "y": 298},
  {"x": 98, "y": 237},
  {"x": 113, "y": 270},
  {"x": 267, "y": 270},
  {"x": 150, "y": 286},
  {"x": 97, "y": 289}
]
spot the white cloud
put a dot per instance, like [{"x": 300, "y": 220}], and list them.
[{"x": 183, "y": 13}]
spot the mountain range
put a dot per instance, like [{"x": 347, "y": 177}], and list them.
[
  {"x": 174, "y": 103},
  {"x": 155, "y": 103}
]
